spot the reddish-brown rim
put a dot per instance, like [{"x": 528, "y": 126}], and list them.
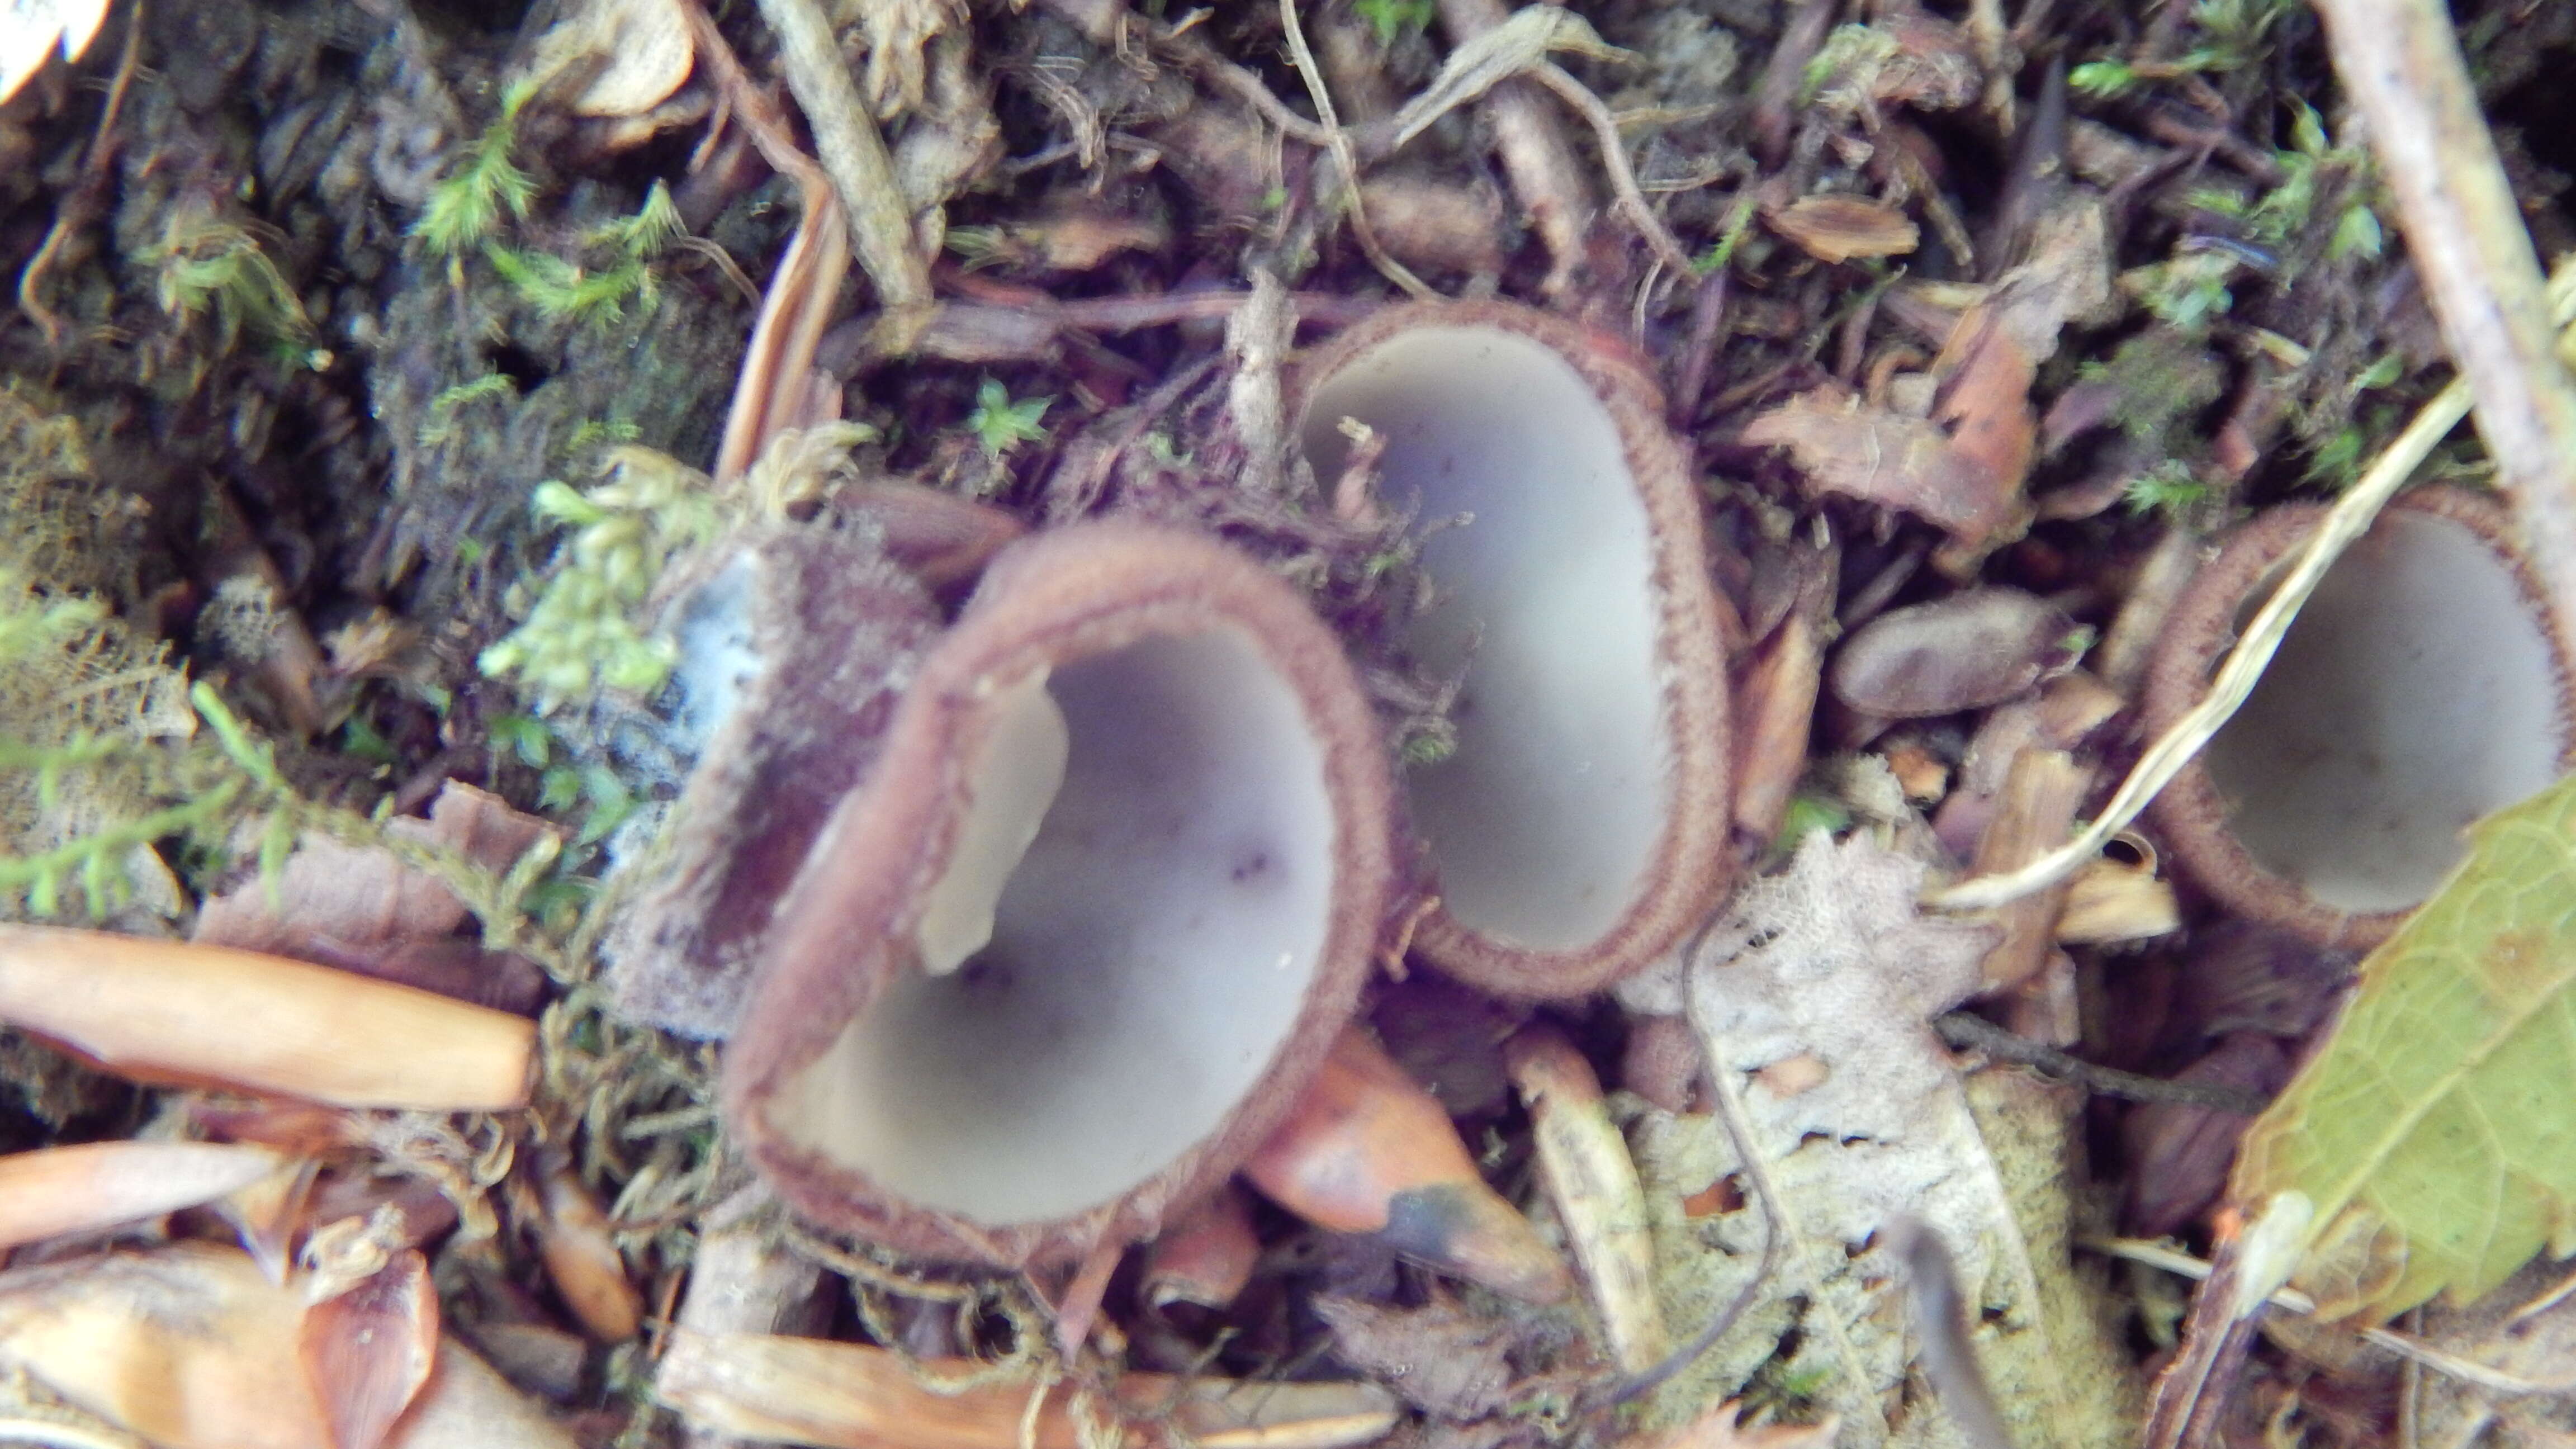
[
  {"x": 1066, "y": 595},
  {"x": 2190, "y": 812},
  {"x": 1687, "y": 878}
]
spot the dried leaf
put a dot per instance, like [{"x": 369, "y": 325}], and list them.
[
  {"x": 369, "y": 1350},
  {"x": 1831, "y": 963},
  {"x": 2434, "y": 1132},
  {"x": 1718, "y": 1429},
  {"x": 812, "y": 1391},
  {"x": 1848, "y": 447},
  {"x": 31, "y": 30},
  {"x": 190, "y": 1347},
  {"x": 1839, "y": 228},
  {"x": 1442, "y": 1359},
  {"x": 580, "y": 1251},
  {"x": 59, "y": 1190},
  {"x": 645, "y": 51},
  {"x": 164, "y": 1011},
  {"x": 363, "y": 909}
]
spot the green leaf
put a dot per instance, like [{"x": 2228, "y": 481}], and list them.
[{"x": 2436, "y": 1132}]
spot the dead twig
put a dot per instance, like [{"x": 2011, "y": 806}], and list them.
[
  {"x": 1535, "y": 153},
  {"x": 1967, "y": 1031},
  {"x": 1346, "y": 158},
  {"x": 776, "y": 382},
  {"x": 853, "y": 154},
  {"x": 2405, "y": 1345},
  {"x": 2400, "y": 62},
  {"x": 1614, "y": 160},
  {"x": 83, "y": 201}
]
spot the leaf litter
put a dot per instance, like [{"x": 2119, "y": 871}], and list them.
[{"x": 1815, "y": 991}]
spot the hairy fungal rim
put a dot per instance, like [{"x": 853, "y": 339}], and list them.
[
  {"x": 1547, "y": 388},
  {"x": 2270, "y": 880},
  {"x": 843, "y": 992}
]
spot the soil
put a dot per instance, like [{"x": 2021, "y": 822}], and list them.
[{"x": 217, "y": 218}]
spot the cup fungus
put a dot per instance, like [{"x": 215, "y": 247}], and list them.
[
  {"x": 1071, "y": 950},
  {"x": 1579, "y": 827},
  {"x": 2419, "y": 689}
]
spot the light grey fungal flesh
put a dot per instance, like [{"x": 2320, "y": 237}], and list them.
[
  {"x": 2419, "y": 689},
  {"x": 1578, "y": 830},
  {"x": 1071, "y": 951}
]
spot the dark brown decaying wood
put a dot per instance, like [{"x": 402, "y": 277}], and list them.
[{"x": 2400, "y": 62}]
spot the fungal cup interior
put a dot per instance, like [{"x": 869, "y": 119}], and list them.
[
  {"x": 2414, "y": 694},
  {"x": 1549, "y": 813},
  {"x": 1149, "y": 954}
]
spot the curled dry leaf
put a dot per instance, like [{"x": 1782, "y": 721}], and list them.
[
  {"x": 582, "y": 1260},
  {"x": 192, "y": 1347},
  {"x": 1970, "y": 650},
  {"x": 848, "y": 1396},
  {"x": 1719, "y": 1429},
  {"x": 1593, "y": 1185},
  {"x": 162, "y": 1011},
  {"x": 1444, "y": 1360},
  {"x": 644, "y": 50},
  {"x": 1206, "y": 1257},
  {"x": 1839, "y": 228},
  {"x": 1367, "y": 1150},
  {"x": 361, "y": 908},
  {"x": 369, "y": 1350},
  {"x": 58, "y": 1190}
]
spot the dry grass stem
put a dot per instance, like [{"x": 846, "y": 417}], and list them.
[
  {"x": 1535, "y": 153},
  {"x": 2400, "y": 62},
  {"x": 2350, "y": 518},
  {"x": 774, "y": 383},
  {"x": 164, "y": 1011},
  {"x": 2405, "y": 1345},
  {"x": 1346, "y": 157},
  {"x": 1614, "y": 160},
  {"x": 58, "y": 1190},
  {"x": 1593, "y": 1184},
  {"x": 853, "y": 154}
]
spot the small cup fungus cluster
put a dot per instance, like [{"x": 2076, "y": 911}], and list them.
[
  {"x": 2418, "y": 690},
  {"x": 1034, "y": 928}
]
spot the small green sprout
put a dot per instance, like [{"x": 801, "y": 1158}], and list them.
[
  {"x": 558, "y": 288},
  {"x": 1806, "y": 815},
  {"x": 1394, "y": 19},
  {"x": 2102, "y": 80},
  {"x": 1000, "y": 424},
  {"x": 464, "y": 208},
  {"x": 641, "y": 237},
  {"x": 2356, "y": 233},
  {"x": 2168, "y": 488}
]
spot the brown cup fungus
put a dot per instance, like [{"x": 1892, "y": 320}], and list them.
[
  {"x": 1092, "y": 921},
  {"x": 2418, "y": 689},
  {"x": 1578, "y": 830}
]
